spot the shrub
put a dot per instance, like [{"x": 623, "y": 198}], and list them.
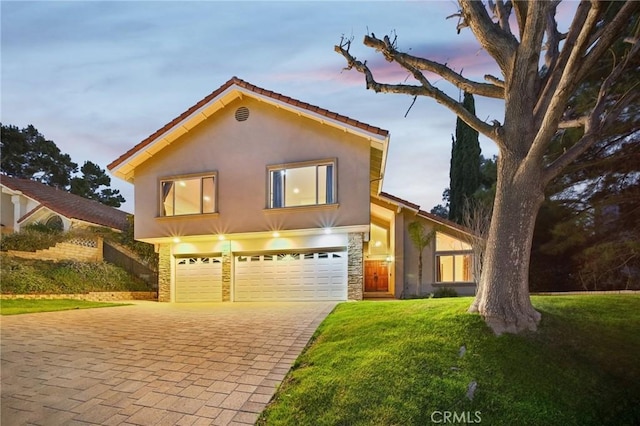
[
  {"x": 26, "y": 276},
  {"x": 31, "y": 238},
  {"x": 43, "y": 227},
  {"x": 144, "y": 250},
  {"x": 445, "y": 292}
]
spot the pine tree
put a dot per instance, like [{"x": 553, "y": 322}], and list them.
[{"x": 464, "y": 174}]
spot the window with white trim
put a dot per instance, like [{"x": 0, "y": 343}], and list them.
[
  {"x": 188, "y": 195},
  {"x": 302, "y": 185}
]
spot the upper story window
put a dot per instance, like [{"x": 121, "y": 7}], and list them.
[
  {"x": 188, "y": 195},
  {"x": 302, "y": 184}
]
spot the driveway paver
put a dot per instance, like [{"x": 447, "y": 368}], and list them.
[{"x": 151, "y": 363}]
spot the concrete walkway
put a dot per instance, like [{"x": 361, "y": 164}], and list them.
[{"x": 151, "y": 363}]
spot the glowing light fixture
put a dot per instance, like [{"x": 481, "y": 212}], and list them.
[
  {"x": 389, "y": 259},
  {"x": 221, "y": 238},
  {"x": 378, "y": 243},
  {"x": 327, "y": 231},
  {"x": 182, "y": 183},
  {"x": 176, "y": 240},
  {"x": 275, "y": 234},
  {"x": 296, "y": 190}
]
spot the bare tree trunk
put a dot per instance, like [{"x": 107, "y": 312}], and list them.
[
  {"x": 503, "y": 293},
  {"x": 419, "y": 282}
]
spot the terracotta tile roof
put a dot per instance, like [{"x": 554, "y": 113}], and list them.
[
  {"x": 66, "y": 204},
  {"x": 255, "y": 89},
  {"x": 445, "y": 222},
  {"x": 427, "y": 215},
  {"x": 400, "y": 200}
]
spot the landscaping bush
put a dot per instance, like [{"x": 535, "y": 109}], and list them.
[
  {"x": 22, "y": 276},
  {"x": 445, "y": 292},
  {"x": 145, "y": 251},
  {"x": 32, "y": 238}
]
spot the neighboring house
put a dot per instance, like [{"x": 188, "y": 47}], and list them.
[
  {"x": 26, "y": 201},
  {"x": 251, "y": 195}
]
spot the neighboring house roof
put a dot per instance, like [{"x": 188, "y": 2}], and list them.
[
  {"x": 124, "y": 165},
  {"x": 65, "y": 203},
  {"x": 424, "y": 214}
]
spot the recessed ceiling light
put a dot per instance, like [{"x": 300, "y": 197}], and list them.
[
  {"x": 327, "y": 230},
  {"x": 378, "y": 243},
  {"x": 296, "y": 191},
  {"x": 176, "y": 240},
  {"x": 221, "y": 237},
  {"x": 275, "y": 234}
]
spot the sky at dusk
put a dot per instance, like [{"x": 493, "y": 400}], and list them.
[{"x": 99, "y": 77}]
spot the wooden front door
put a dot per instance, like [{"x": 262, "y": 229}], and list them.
[{"x": 376, "y": 275}]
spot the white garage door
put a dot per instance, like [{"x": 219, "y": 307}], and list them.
[
  {"x": 291, "y": 276},
  {"x": 199, "y": 279}
]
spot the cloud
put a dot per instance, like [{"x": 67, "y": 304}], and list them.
[{"x": 98, "y": 77}]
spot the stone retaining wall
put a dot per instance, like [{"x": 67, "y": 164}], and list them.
[
  {"x": 80, "y": 250},
  {"x": 103, "y": 296}
]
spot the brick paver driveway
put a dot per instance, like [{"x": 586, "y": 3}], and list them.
[{"x": 151, "y": 363}]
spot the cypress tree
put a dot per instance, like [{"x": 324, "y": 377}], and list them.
[{"x": 464, "y": 175}]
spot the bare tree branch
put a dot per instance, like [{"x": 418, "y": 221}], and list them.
[
  {"x": 501, "y": 45},
  {"x": 554, "y": 37},
  {"x": 529, "y": 49},
  {"x": 495, "y": 80},
  {"x": 501, "y": 12},
  {"x": 554, "y": 73},
  {"x": 576, "y": 122},
  {"x": 426, "y": 89},
  {"x": 391, "y": 54},
  {"x": 552, "y": 114},
  {"x": 520, "y": 7}
]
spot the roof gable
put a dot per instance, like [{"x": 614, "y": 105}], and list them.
[
  {"x": 124, "y": 166},
  {"x": 66, "y": 204},
  {"x": 421, "y": 213}
]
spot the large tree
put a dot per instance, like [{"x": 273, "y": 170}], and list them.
[
  {"x": 94, "y": 185},
  {"x": 464, "y": 174},
  {"x": 542, "y": 71},
  {"x": 27, "y": 154}
]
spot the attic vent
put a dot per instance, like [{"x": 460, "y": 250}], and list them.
[{"x": 242, "y": 114}]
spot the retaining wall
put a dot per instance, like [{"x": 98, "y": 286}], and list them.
[{"x": 102, "y": 296}]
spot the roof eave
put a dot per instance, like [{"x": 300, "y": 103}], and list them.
[{"x": 124, "y": 167}]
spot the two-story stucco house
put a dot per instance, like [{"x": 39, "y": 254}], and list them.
[{"x": 251, "y": 195}]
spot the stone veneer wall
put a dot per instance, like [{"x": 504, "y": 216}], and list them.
[
  {"x": 226, "y": 277},
  {"x": 355, "y": 268},
  {"x": 164, "y": 273}
]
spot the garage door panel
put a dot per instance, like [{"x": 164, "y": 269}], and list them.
[
  {"x": 198, "y": 279},
  {"x": 291, "y": 276}
]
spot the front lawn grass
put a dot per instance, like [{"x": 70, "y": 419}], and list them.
[
  {"x": 398, "y": 363},
  {"x": 29, "y": 306}
]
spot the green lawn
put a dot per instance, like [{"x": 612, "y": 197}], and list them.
[
  {"x": 27, "y": 306},
  {"x": 398, "y": 363}
]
